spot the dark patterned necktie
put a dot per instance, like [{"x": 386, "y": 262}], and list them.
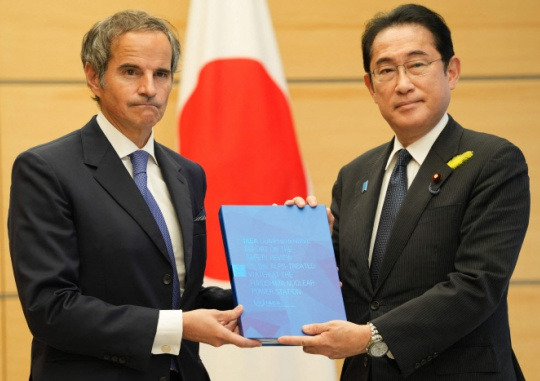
[
  {"x": 395, "y": 193},
  {"x": 139, "y": 159}
]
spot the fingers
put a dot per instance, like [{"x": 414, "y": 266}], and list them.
[
  {"x": 311, "y": 200},
  {"x": 240, "y": 341},
  {"x": 300, "y": 202},
  {"x": 296, "y": 340},
  {"x": 315, "y": 329}
]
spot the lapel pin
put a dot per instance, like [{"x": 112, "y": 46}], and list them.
[
  {"x": 435, "y": 179},
  {"x": 364, "y": 186}
]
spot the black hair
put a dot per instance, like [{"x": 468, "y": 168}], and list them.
[{"x": 409, "y": 14}]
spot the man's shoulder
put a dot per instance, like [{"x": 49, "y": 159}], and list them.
[
  {"x": 482, "y": 138},
  {"x": 368, "y": 158},
  {"x": 58, "y": 149},
  {"x": 484, "y": 143},
  {"x": 479, "y": 138}
]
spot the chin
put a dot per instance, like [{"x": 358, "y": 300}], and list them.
[{"x": 150, "y": 120}]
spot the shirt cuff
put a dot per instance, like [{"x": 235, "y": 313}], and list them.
[{"x": 169, "y": 333}]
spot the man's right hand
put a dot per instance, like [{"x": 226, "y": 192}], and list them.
[{"x": 215, "y": 327}]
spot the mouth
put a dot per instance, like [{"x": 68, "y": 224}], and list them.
[
  {"x": 146, "y": 105},
  {"x": 406, "y": 104}
]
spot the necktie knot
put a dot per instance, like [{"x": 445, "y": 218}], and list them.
[
  {"x": 403, "y": 158},
  {"x": 139, "y": 160}
]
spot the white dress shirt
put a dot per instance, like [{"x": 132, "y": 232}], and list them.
[
  {"x": 418, "y": 150},
  {"x": 169, "y": 329}
]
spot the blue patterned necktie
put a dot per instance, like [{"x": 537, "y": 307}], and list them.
[
  {"x": 139, "y": 159},
  {"x": 395, "y": 193}
]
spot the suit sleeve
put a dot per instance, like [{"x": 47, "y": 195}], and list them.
[
  {"x": 44, "y": 251},
  {"x": 491, "y": 232}
]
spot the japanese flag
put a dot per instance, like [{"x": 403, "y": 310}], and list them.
[{"x": 235, "y": 120}]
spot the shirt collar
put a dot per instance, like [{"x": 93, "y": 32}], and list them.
[
  {"x": 420, "y": 148},
  {"x": 121, "y": 144}
]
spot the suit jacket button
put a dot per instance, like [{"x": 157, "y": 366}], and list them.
[
  {"x": 167, "y": 279},
  {"x": 374, "y": 305}
]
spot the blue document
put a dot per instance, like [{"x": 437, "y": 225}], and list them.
[{"x": 282, "y": 268}]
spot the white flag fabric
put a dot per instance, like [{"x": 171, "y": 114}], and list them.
[{"x": 235, "y": 120}]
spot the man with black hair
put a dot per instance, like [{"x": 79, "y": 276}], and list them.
[{"x": 427, "y": 228}]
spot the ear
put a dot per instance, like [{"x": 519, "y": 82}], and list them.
[
  {"x": 92, "y": 79},
  {"x": 453, "y": 72},
  {"x": 369, "y": 85}
]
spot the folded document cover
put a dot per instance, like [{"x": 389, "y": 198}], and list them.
[{"x": 282, "y": 268}]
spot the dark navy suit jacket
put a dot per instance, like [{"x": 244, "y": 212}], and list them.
[{"x": 90, "y": 263}]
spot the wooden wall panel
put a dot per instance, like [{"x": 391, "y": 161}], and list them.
[
  {"x": 42, "y": 40},
  {"x": 3, "y": 372},
  {"x": 322, "y": 38},
  {"x": 524, "y": 309},
  {"x": 17, "y": 338},
  {"x": 318, "y": 39}
]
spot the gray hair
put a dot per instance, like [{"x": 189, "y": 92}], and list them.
[{"x": 96, "y": 45}]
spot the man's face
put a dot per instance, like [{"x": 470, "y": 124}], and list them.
[
  {"x": 137, "y": 82},
  {"x": 412, "y": 105}
]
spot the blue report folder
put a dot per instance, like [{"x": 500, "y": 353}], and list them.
[{"x": 282, "y": 268}]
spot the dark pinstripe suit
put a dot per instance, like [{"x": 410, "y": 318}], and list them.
[{"x": 440, "y": 301}]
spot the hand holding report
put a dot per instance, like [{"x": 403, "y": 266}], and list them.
[
  {"x": 282, "y": 267},
  {"x": 335, "y": 339}
]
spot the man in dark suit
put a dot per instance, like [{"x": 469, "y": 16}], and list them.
[
  {"x": 110, "y": 270},
  {"x": 428, "y": 227}
]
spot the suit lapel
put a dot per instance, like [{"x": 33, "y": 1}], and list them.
[
  {"x": 180, "y": 196},
  {"x": 365, "y": 206},
  {"x": 419, "y": 194},
  {"x": 111, "y": 173}
]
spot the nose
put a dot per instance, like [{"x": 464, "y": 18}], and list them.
[
  {"x": 404, "y": 83},
  {"x": 147, "y": 86}
]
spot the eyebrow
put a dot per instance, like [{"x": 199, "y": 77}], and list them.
[
  {"x": 133, "y": 66},
  {"x": 414, "y": 53},
  {"x": 128, "y": 66}
]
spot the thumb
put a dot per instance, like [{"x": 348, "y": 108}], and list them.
[{"x": 232, "y": 314}]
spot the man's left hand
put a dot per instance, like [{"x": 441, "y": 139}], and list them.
[{"x": 335, "y": 339}]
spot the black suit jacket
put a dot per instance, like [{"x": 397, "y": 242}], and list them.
[
  {"x": 90, "y": 263},
  {"x": 441, "y": 297}
]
